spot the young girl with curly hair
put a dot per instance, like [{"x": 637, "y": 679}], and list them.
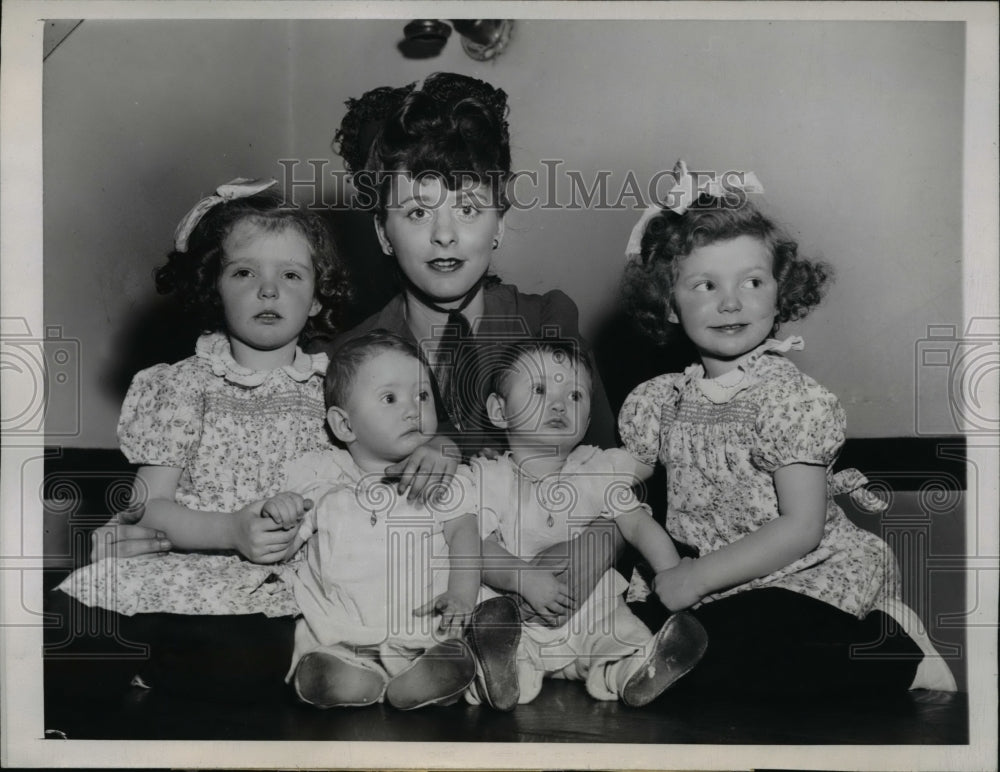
[
  {"x": 212, "y": 434},
  {"x": 793, "y": 596}
]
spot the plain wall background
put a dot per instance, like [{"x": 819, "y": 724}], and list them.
[{"x": 855, "y": 129}]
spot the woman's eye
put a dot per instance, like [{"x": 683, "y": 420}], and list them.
[
  {"x": 468, "y": 212},
  {"x": 418, "y": 214}
]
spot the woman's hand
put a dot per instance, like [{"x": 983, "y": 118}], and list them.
[
  {"x": 120, "y": 537},
  {"x": 455, "y": 613},
  {"x": 428, "y": 467},
  {"x": 548, "y": 595},
  {"x": 258, "y": 538},
  {"x": 678, "y": 587}
]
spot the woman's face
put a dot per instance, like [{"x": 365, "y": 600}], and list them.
[{"x": 443, "y": 239}]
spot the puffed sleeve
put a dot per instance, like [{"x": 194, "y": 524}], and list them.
[
  {"x": 799, "y": 422},
  {"x": 604, "y": 479},
  {"x": 461, "y": 497},
  {"x": 316, "y": 468},
  {"x": 311, "y": 475},
  {"x": 161, "y": 418},
  {"x": 491, "y": 493},
  {"x": 639, "y": 421}
]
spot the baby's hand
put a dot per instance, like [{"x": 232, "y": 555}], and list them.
[
  {"x": 257, "y": 537},
  {"x": 426, "y": 469},
  {"x": 676, "y": 587},
  {"x": 455, "y": 613},
  {"x": 286, "y": 509},
  {"x": 547, "y": 594}
]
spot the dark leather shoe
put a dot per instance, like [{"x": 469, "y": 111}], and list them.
[
  {"x": 676, "y": 649},
  {"x": 438, "y": 676},
  {"x": 493, "y": 634},
  {"x": 325, "y": 681}
]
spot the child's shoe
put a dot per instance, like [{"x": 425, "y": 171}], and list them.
[
  {"x": 438, "y": 676},
  {"x": 674, "y": 651},
  {"x": 326, "y": 681},
  {"x": 493, "y": 634}
]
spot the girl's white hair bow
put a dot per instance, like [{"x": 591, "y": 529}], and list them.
[
  {"x": 685, "y": 192},
  {"x": 241, "y": 187}
]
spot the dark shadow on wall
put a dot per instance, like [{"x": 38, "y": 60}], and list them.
[
  {"x": 157, "y": 332},
  {"x": 373, "y": 273},
  {"x": 625, "y": 358}
]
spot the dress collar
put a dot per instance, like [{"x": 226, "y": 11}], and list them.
[
  {"x": 214, "y": 348},
  {"x": 722, "y": 389}
]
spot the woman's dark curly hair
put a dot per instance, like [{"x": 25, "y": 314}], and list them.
[
  {"x": 648, "y": 283},
  {"x": 454, "y": 126},
  {"x": 192, "y": 276}
]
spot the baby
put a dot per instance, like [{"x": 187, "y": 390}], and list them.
[
  {"x": 545, "y": 488},
  {"x": 377, "y": 567}
]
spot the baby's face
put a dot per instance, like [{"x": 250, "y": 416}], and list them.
[
  {"x": 547, "y": 401},
  {"x": 390, "y": 409}
]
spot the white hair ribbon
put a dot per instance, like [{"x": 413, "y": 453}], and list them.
[
  {"x": 241, "y": 187},
  {"x": 685, "y": 192}
]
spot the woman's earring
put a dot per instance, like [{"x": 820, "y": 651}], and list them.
[
  {"x": 496, "y": 243},
  {"x": 389, "y": 250}
]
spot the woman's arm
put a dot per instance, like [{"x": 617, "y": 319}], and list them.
[
  {"x": 431, "y": 465},
  {"x": 258, "y": 538},
  {"x": 801, "y": 491}
]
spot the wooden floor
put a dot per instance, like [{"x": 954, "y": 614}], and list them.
[{"x": 87, "y": 700}]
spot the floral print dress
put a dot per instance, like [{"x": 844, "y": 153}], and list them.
[
  {"x": 231, "y": 431},
  {"x": 721, "y": 441}
]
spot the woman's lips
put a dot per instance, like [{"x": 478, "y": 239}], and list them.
[{"x": 446, "y": 264}]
